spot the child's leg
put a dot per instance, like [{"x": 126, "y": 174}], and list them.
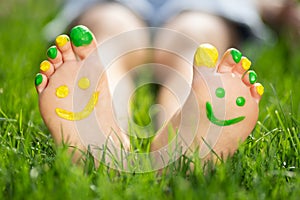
[
  {"x": 207, "y": 28},
  {"x": 107, "y": 21},
  {"x": 281, "y": 15}
]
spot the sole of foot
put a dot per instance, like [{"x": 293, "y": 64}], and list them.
[
  {"x": 226, "y": 108},
  {"x": 74, "y": 98}
]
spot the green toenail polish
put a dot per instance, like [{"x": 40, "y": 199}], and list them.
[
  {"x": 81, "y": 35},
  {"x": 38, "y": 79},
  {"x": 252, "y": 77},
  {"x": 236, "y": 55},
  {"x": 52, "y": 52}
]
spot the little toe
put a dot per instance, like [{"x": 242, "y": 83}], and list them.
[
  {"x": 46, "y": 68},
  {"x": 250, "y": 78},
  {"x": 229, "y": 60},
  {"x": 83, "y": 41},
  {"x": 257, "y": 90},
  {"x": 54, "y": 56},
  {"x": 64, "y": 45},
  {"x": 41, "y": 82}
]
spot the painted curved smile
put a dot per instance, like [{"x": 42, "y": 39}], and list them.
[
  {"x": 210, "y": 115},
  {"x": 72, "y": 116}
]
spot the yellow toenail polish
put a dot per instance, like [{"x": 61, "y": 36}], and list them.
[
  {"x": 62, "y": 40},
  {"x": 260, "y": 89},
  {"x": 62, "y": 91},
  {"x": 246, "y": 63},
  {"x": 206, "y": 55},
  {"x": 84, "y": 83},
  {"x": 45, "y": 66}
]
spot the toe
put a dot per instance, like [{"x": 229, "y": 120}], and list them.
[
  {"x": 241, "y": 67},
  {"x": 257, "y": 90},
  {"x": 250, "y": 78},
  {"x": 206, "y": 55},
  {"x": 41, "y": 81},
  {"x": 229, "y": 60},
  {"x": 64, "y": 45},
  {"x": 83, "y": 41},
  {"x": 46, "y": 68},
  {"x": 54, "y": 56}
]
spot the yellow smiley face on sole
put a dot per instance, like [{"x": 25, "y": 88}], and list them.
[{"x": 63, "y": 91}]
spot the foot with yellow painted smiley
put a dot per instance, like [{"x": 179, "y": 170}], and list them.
[
  {"x": 71, "y": 93},
  {"x": 227, "y": 96}
]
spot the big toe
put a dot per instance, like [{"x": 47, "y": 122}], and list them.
[
  {"x": 83, "y": 41},
  {"x": 206, "y": 55}
]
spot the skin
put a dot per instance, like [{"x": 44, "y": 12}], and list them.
[
  {"x": 58, "y": 113},
  {"x": 223, "y": 124},
  {"x": 213, "y": 119},
  {"x": 84, "y": 113},
  {"x": 56, "y": 90}
]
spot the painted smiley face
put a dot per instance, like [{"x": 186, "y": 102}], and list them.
[
  {"x": 63, "y": 91},
  {"x": 220, "y": 93}
]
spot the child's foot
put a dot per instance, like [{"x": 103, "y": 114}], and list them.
[
  {"x": 227, "y": 98},
  {"x": 74, "y": 96}
]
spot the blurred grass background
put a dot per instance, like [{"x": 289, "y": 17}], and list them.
[{"x": 266, "y": 166}]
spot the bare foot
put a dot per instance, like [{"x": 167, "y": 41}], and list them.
[
  {"x": 227, "y": 96},
  {"x": 74, "y": 97}
]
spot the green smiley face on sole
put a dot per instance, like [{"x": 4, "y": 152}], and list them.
[{"x": 220, "y": 93}]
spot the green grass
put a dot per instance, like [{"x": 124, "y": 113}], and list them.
[{"x": 266, "y": 166}]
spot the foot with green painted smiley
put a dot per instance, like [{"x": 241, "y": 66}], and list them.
[
  {"x": 228, "y": 98},
  {"x": 70, "y": 96}
]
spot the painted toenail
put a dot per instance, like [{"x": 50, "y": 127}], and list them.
[
  {"x": 84, "y": 83},
  {"x": 62, "y": 91},
  {"x": 240, "y": 101},
  {"x": 81, "y": 35},
  {"x": 38, "y": 79},
  {"x": 236, "y": 55},
  {"x": 45, "y": 66},
  {"x": 206, "y": 55},
  {"x": 246, "y": 63},
  {"x": 62, "y": 40},
  {"x": 260, "y": 89},
  {"x": 252, "y": 76},
  {"x": 52, "y": 52}
]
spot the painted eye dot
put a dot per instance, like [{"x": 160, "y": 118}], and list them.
[
  {"x": 84, "y": 83},
  {"x": 62, "y": 91},
  {"x": 240, "y": 101},
  {"x": 220, "y": 92}
]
